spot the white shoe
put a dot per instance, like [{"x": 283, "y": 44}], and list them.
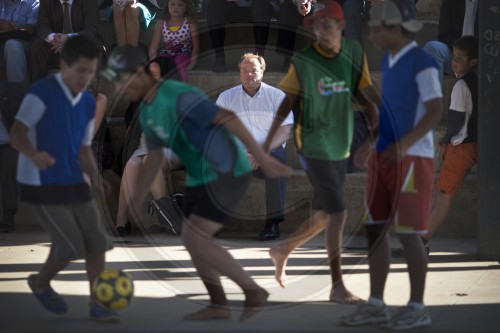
[
  {"x": 409, "y": 317},
  {"x": 367, "y": 314}
]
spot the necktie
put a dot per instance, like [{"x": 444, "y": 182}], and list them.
[{"x": 66, "y": 19}]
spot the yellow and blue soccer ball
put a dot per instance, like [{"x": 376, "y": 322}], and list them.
[{"x": 114, "y": 289}]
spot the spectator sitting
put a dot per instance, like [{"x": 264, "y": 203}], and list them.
[
  {"x": 129, "y": 17},
  {"x": 256, "y": 104},
  {"x": 176, "y": 37},
  {"x": 131, "y": 172},
  {"x": 55, "y": 27},
  {"x": 17, "y": 15}
]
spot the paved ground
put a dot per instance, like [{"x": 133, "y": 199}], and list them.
[{"x": 463, "y": 292}]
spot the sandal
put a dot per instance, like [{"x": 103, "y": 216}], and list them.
[{"x": 49, "y": 298}]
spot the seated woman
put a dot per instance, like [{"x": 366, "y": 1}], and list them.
[{"x": 131, "y": 172}]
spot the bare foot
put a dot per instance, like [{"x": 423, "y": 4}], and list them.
[
  {"x": 343, "y": 296},
  {"x": 255, "y": 299},
  {"x": 209, "y": 313},
  {"x": 279, "y": 260}
]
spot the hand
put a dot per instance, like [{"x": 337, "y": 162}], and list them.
[
  {"x": 362, "y": 155},
  {"x": 6, "y": 25},
  {"x": 42, "y": 160},
  {"x": 253, "y": 162},
  {"x": 304, "y": 7},
  {"x": 274, "y": 168},
  {"x": 394, "y": 154}
]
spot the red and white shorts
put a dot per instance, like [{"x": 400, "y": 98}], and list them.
[{"x": 400, "y": 194}]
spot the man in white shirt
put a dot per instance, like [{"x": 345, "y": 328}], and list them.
[{"x": 256, "y": 103}]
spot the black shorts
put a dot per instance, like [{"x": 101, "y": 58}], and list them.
[
  {"x": 328, "y": 181},
  {"x": 215, "y": 201}
]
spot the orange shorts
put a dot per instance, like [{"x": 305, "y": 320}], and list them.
[
  {"x": 457, "y": 163},
  {"x": 401, "y": 194}
]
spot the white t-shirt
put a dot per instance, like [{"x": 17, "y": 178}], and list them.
[{"x": 257, "y": 113}]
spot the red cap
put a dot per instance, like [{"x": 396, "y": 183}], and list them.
[{"x": 328, "y": 10}]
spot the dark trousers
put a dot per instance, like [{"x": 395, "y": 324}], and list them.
[
  {"x": 261, "y": 13},
  {"x": 8, "y": 183},
  {"x": 42, "y": 59},
  {"x": 275, "y": 190}
]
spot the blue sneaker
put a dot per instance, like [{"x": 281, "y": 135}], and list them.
[
  {"x": 49, "y": 298},
  {"x": 99, "y": 313}
]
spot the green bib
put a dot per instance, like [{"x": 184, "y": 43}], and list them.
[{"x": 324, "y": 115}]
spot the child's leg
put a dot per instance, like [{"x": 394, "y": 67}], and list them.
[
  {"x": 333, "y": 241},
  {"x": 211, "y": 261},
  {"x": 119, "y": 22},
  {"x": 132, "y": 26},
  {"x": 94, "y": 265},
  {"x": 416, "y": 258},
  {"x": 307, "y": 230},
  {"x": 457, "y": 163},
  {"x": 378, "y": 258},
  {"x": 48, "y": 271},
  {"x": 181, "y": 62},
  {"x": 440, "y": 209}
]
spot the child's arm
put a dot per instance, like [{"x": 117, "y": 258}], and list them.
[
  {"x": 271, "y": 166},
  {"x": 155, "y": 41},
  {"x": 397, "y": 151},
  {"x": 370, "y": 108},
  {"x": 196, "y": 45},
  {"x": 20, "y": 141},
  {"x": 88, "y": 164}
]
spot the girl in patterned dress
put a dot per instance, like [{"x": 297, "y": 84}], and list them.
[{"x": 176, "y": 38}]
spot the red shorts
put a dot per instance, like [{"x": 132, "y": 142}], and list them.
[
  {"x": 457, "y": 162},
  {"x": 401, "y": 194}
]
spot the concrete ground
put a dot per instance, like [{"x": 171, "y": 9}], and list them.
[{"x": 463, "y": 292}]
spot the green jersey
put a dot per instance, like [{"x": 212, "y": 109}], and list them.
[
  {"x": 180, "y": 117},
  {"x": 324, "y": 115}
]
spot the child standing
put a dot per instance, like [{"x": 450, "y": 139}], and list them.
[
  {"x": 218, "y": 172},
  {"x": 459, "y": 145},
  {"x": 401, "y": 171},
  {"x": 53, "y": 133},
  {"x": 176, "y": 37},
  {"x": 321, "y": 83}
]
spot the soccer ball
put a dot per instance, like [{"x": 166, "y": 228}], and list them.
[{"x": 114, "y": 289}]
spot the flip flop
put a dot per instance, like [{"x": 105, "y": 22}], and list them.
[{"x": 48, "y": 298}]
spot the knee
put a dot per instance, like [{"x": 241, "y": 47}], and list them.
[
  {"x": 375, "y": 233},
  {"x": 132, "y": 14},
  {"x": 13, "y": 48}
]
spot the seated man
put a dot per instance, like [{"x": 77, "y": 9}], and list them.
[
  {"x": 16, "y": 15},
  {"x": 256, "y": 103},
  {"x": 58, "y": 20}
]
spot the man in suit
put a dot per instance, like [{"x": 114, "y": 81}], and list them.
[
  {"x": 52, "y": 32},
  {"x": 17, "y": 16}
]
